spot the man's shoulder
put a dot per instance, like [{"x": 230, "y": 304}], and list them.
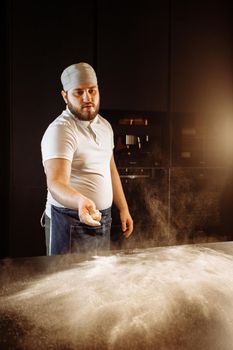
[
  {"x": 104, "y": 121},
  {"x": 60, "y": 126},
  {"x": 63, "y": 120}
]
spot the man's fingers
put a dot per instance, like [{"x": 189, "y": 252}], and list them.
[
  {"x": 96, "y": 215},
  {"x": 88, "y": 213},
  {"x": 87, "y": 219},
  {"x": 123, "y": 226},
  {"x": 127, "y": 228}
]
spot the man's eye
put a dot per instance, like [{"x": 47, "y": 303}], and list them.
[
  {"x": 92, "y": 91},
  {"x": 78, "y": 93}
]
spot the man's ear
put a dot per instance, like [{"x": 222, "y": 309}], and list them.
[{"x": 63, "y": 93}]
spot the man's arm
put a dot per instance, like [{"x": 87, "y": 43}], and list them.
[
  {"x": 120, "y": 201},
  {"x": 58, "y": 181}
]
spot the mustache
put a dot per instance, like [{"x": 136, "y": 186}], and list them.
[{"x": 89, "y": 104}]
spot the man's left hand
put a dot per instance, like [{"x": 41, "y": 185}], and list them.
[{"x": 126, "y": 223}]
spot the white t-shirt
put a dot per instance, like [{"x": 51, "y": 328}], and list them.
[{"x": 89, "y": 146}]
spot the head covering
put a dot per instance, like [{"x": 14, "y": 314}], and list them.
[{"x": 77, "y": 74}]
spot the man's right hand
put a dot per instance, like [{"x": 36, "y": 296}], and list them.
[{"x": 88, "y": 214}]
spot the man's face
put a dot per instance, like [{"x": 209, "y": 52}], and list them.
[{"x": 83, "y": 101}]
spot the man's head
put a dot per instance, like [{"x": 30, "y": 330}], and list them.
[{"x": 80, "y": 90}]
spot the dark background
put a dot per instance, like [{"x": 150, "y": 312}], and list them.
[{"x": 169, "y": 58}]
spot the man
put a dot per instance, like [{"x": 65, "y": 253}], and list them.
[{"x": 82, "y": 178}]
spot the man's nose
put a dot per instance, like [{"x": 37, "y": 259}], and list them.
[{"x": 86, "y": 96}]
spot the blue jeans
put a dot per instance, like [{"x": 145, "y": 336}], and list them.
[{"x": 68, "y": 235}]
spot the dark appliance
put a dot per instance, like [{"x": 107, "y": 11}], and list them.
[
  {"x": 141, "y": 138},
  {"x": 146, "y": 191},
  {"x": 142, "y": 156}
]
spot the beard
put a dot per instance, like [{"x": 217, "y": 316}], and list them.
[{"x": 84, "y": 112}]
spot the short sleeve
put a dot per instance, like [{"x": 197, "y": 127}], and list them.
[{"x": 58, "y": 142}]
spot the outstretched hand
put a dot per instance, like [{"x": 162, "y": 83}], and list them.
[{"x": 88, "y": 214}]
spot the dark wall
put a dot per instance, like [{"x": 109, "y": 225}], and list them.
[
  {"x": 4, "y": 129},
  {"x": 44, "y": 39},
  {"x": 201, "y": 57},
  {"x": 133, "y": 55},
  {"x": 167, "y": 56}
]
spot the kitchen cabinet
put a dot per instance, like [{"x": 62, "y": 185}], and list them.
[
  {"x": 201, "y": 105},
  {"x": 200, "y": 139},
  {"x": 196, "y": 203},
  {"x": 141, "y": 152},
  {"x": 174, "y": 185},
  {"x": 146, "y": 191}
]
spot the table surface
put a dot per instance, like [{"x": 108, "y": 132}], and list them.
[
  {"x": 187, "y": 288},
  {"x": 30, "y": 266}
]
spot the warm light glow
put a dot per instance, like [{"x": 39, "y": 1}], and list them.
[{"x": 229, "y": 138}]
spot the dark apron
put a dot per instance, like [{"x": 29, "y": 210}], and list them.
[{"x": 69, "y": 235}]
